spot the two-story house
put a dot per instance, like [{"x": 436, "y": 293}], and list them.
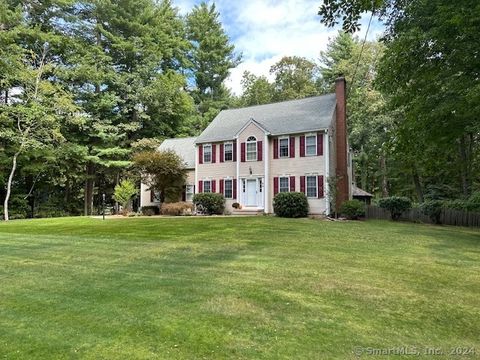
[{"x": 251, "y": 154}]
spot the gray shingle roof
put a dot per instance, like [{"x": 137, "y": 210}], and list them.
[
  {"x": 286, "y": 117},
  {"x": 356, "y": 191},
  {"x": 184, "y": 147}
]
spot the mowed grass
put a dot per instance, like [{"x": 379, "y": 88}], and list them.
[{"x": 257, "y": 287}]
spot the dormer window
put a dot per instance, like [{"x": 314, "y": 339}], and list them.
[
  {"x": 207, "y": 153},
  {"x": 252, "y": 148}
]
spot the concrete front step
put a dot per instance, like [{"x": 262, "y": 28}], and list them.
[{"x": 247, "y": 211}]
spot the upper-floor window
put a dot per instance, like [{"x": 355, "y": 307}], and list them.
[
  {"x": 283, "y": 144},
  {"x": 228, "y": 190},
  {"x": 251, "y": 148},
  {"x": 312, "y": 186},
  {"x": 284, "y": 184},
  {"x": 311, "y": 145},
  {"x": 207, "y": 153},
  {"x": 207, "y": 186},
  {"x": 228, "y": 152}
]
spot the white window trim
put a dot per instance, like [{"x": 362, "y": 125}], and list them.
[
  {"x": 192, "y": 193},
  {"x": 211, "y": 153},
  {"x": 224, "y": 152},
  {"x": 279, "y": 182},
  {"x": 316, "y": 186},
  {"x": 279, "y": 147},
  {"x": 256, "y": 148},
  {"x": 225, "y": 188},
  {"x": 316, "y": 142}
]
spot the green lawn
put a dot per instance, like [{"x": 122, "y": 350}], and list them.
[{"x": 258, "y": 287}]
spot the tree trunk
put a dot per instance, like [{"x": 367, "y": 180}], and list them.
[
  {"x": 383, "y": 167},
  {"x": 9, "y": 186},
  {"x": 464, "y": 175},
  {"x": 418, "y": 185},
  {"x": 89, "y": 186}
]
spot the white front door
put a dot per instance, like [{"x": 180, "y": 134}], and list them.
[{"x": 251, "y": 192}]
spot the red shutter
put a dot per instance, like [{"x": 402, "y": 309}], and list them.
[
  {"x": 275, "y": 148},
  {"x": 320, "y": 186},
  {"x": 319, "y": 144},
  {"x": 292, "y": 183},
  {"x": 234, "y": 185},
  {"x": 221, "y": 187},
  {"x": 184, "y": 194},
  {"x": 235, "y": 150},
  {"x": 221, "y": 153},
  {"x": 292, "y": 146},
  {"x": 214, "y": 186},
  {"x": 200, "y": 186},
  {"x": 302, "y": 146},
  {"x": 275, "y": 185},
  {"x": 259, "y": 151},
  {"x": 200, "y": 154},
  {"x": 152, "y": 196},
  {"x": 242, "y": 149},
  {"x": 214, "y": 153},
  {"x": 302, "y": 184}
]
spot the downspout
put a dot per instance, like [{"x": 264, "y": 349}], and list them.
[
  {"x": 326, "y": 144},
  {"x": 266, "y": 181}
]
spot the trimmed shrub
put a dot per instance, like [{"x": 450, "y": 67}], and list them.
[
  {"x": 236, "y": 205},
  {"x": 352, "y": 209},
  {"x": 433, "y": 209},
  {"x": 211, "y": 203},
  {"x": 150, "y": 210},
  {"x": 177, "y": 208},
  {"x": 290, "y": 204},
  {"x": 396, "y": 205}
]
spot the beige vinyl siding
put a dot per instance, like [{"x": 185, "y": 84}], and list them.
[{"x": 258, "y": 167}]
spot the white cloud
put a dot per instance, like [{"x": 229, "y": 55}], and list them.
[{"x": 265, "y": 31}]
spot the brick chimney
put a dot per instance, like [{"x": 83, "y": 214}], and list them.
[{"x": 341, "y": 142}]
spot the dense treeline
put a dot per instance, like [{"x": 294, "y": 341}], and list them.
[{"x": 84, "y": 85}]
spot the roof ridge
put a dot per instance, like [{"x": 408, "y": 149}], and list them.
[{"x": 279, "y": 102}]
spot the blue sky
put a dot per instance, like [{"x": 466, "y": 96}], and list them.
[{"x": 264, "y": 31}]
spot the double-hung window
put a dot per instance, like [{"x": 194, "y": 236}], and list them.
[
  {"x": 311, "y": 145},
  {"x": 283, "y": 145},
  {"x": 189, "y": 189},
  {"x": 312, "y": 186},
  {"x": 251, "y": 148},
  {"x": 207, "y": 153},
  {"x": 228, "y": 188},
  {"x": 228, "y": 152},
  {"x": 207, "y": 186},
  {"x": 284, "y": 184}
]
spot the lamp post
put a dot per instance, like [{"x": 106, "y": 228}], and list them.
[{"x": 103, "y": 206}]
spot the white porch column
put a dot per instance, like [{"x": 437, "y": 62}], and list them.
[
  {"x": 197, "y": 160},
  {"x": 266, "y": 179}
]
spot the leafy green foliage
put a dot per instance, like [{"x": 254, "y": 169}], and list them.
[
  {"x": 433, "y": 209},
  {"x": 125, "y": 192},
  {"x": 290, "y": 204},
  {"x": 396, "y": 205},
  {"x": 163, "y": 171},
  {"x": 352, "y": 209},
  {"x": 211, "y": 203}
]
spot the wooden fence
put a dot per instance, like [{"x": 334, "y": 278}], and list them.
[{"x": 448, "y": 217}]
